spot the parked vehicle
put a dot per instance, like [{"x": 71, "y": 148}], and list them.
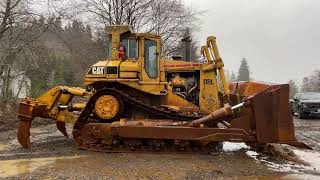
[{"x": 306, "y": 104}]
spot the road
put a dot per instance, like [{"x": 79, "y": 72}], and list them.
[
  {"x": 308, "y": 131},
  {"x": 55, "y": 157}
]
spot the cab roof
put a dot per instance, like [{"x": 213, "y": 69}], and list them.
[{"x": 124, "y": 29}]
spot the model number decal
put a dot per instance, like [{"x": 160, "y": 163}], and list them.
[
  {"x": 97, "y": 70},
  {"x": 207, "y": 81}
]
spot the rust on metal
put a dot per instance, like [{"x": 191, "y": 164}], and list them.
[
  {"x": 23, "y": 134},
  {"x": 274, "y": 123},
  {"x": 26, "y": 108},
  {"x": 246, "y": 89},
  {"x": 216, "y": 115},
  {"x": 107, "y": 106},
  {"x": 184, "y": 133},
  {"x": 25, "y": 115}
]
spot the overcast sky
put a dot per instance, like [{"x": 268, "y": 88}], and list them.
[{"x": 280, "y": 38}]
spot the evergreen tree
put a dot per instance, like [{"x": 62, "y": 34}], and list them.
[
  {"x": 233, "y": 77},
  {"x": 244, "y": 72}
]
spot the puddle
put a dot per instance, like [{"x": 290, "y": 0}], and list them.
[{"x": 11, "y": 168}]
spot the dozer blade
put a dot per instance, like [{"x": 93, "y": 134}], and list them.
[{"x": 272, "y": 120}]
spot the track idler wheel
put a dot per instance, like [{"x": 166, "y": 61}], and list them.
[{"x": 109, "y": 107}]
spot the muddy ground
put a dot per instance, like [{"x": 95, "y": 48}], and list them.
[{"x": 55, "y": 157}]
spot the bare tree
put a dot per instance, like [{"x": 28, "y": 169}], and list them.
[
  {"x": 293, "y": 88},
  {"x": 168, "y": 18},
  {"x": 16, "y": 34},
  {"x": 316, "y": 80},
  {"x": 312, "y": 82},
  {"x": 305, "y": 87},
  {"x": 117, "y": 12}
]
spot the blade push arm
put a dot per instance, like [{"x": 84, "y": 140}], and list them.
[{"x": 211, "y": 53}]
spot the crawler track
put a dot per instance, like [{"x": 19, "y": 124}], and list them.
[
  {"x": 156, "y": 110},
  {"x": 109, "y": 143},
  {"x": 148, "y": 145}
]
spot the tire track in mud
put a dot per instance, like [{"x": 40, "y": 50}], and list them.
[
  {"x": 308, "y": 131},
  {"x": 309, "y": 138}
]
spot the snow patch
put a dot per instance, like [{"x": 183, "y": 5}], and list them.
[
  {"x": 252, "y": 154},
  {"x": 229, "y": 146},
  {"x": 311, "y": 157}
]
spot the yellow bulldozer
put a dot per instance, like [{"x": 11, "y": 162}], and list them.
[{"x": 136, "y": 101}]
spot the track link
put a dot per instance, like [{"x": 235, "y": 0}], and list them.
[
  {"x": 136, "y": 145},
  {"x": 149, "y": 145}
]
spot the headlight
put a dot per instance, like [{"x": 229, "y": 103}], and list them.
[{"x": 304, "y": 105}]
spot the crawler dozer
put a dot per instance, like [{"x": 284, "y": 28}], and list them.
[{"x": 136, "y": 101}]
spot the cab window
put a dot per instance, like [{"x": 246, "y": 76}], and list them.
[
  {"x": 150, "y": 58},
  {"x": 131, "y": 48}
]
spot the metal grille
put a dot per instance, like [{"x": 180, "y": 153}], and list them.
[{"x": 314, "y": 106}]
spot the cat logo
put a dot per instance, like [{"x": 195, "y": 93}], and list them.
[{"x": 97, "y": 70}]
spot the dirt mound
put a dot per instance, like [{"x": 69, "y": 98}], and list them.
[{"x": 283, "y": 152}]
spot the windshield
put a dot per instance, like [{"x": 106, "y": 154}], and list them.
[
  {"x": 310, "y": 96},
  {"x": 131, "y": 47}
]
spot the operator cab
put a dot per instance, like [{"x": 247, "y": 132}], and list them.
[
  {"x": 131, "y": 57},
  {"x": 142, "y": 47},
  {"x": 127, "y": 47}
]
